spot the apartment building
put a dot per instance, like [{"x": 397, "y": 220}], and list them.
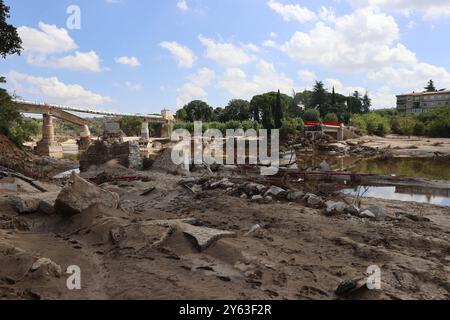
[{"x": 412, "y": 103}]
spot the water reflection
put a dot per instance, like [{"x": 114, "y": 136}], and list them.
[{"x": 414, "y": 194}]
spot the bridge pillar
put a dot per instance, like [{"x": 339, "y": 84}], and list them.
[
  {"x": 85, "y": 138},
  {"x": 145, "y": 131},
  {"x": 48, "y": 146}
]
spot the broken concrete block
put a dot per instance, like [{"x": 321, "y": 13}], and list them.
[
  {"x": 367, "y": 214},
  {"x": 45, "y": 267},
  {"x": 29, "y": 203},
  {"x": 275, "y": 192},
  {"x": 80, "y": 194},
  {"x": 203, "y": 237},
  {"x": 295, "y": 196},
  {"x": 379, "y": 212}
]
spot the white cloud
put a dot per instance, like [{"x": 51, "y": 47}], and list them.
[
  {"x": 182, "y": 5},
  {"x": 270, "y": 44},
  {"x": 292, "y": 12},
  {"x": 129, "y": 61},
  {"x": 52, "y": 90},
  {"x": 327, "y": 14},
  {"x": 430, "y": 9},
  {"x": 195, "y": 88},
  {"x": 49, "y": 39},
  {"x": 133, "y": 86},
  {"x": 184, "y": 56},
  {"x": 413, "y": 77},
  {"x": 80, "y": 61},
  {"x": 236, "y": 82},
  {"x": 226, "y": 54},
  {"x": 363, "y": 40},
  {"x": 307, "y": 76}
]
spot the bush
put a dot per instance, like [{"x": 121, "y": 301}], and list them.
[
  {"x": 332, "y": 117},
  {"x": 419, "y": 129},
  {"x": 291, "y": 127},
  {"x": 407, "y": 125},
  {"x": 311, "y": 115}
]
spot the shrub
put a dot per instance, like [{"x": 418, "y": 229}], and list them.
[
  {"x": 311, "y": 115},
  {"x": 291, "y": 127},
  {"x": 419, "y": 129},
  {"x": 331, "y": 116}
]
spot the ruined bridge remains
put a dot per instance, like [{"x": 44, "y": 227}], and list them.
[{"x": 48, "y": 145}]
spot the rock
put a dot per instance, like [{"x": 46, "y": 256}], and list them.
[
  {"x": 254, "y": 188},
  {"x": 48, "y": 205},
  {"x": 275, "y": 192},
  {"x": 332, "y": 207},
  {"x": 295, "y": 196},
  {"x": 218, "y": 184},
  {"x": 139, "y": 236},
  {"x": 257, "y": 198},
  {"x": 29, "y": 203},
  {"x": 367, "y": 214},
  {"x": 203, "y": 237},
  {"x": 324, "y": 166},
  {"x": 244, "y": 196},
  {"x": 45, "y": 267},
  {"x": 314, "y": 201},
  {"x": 379, "y": 212},
  {"x": 348, "y": 287},
  {"x": 253, "y": 230},
  {"x": 268, "y": 199},
  {"x": 79, "y": 195},
  {"x": 353, "y": 210}
]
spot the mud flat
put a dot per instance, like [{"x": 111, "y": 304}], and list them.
[{"x": 279, "y": 248}]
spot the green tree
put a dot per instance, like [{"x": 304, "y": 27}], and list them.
[
  {"x": 10, "y": 42},
  {"x": 354, "y": 103},
  {"x": 333, "y": 98},
  {"x": 262, "y": 107},
  {"x": 131, "y": 126},
  {"x": 430, "y": 87},
  {"x": 294, "y": 108},
  {"x": 407, "y": 125},
  {"x": 197, "y": 111},
  {"x": 366, "y": 103},
  {"x": 319, "y": 98},
  {"x": 278, "y": 114},
  {"x": 237, "y": 110}
]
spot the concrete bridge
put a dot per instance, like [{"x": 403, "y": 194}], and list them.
[{"x": 48, "y": 145}]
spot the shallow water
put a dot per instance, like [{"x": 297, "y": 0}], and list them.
[
  {"x": 423, "y": 195},
  {"x": 434, "y": 169}
]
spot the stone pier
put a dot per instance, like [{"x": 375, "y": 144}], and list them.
[
  {"x": 48, "y": 146},
  {"x": 85, "y": 138}
]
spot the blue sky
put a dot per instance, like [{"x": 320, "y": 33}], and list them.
[{"x": 141, "y": 56}]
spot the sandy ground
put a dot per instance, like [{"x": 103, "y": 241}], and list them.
[
  {"x": 408, "y": 146},
  {"x": 298, "y": 254}
]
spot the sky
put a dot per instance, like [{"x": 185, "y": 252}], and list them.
[{"x": 140, "y": 56}]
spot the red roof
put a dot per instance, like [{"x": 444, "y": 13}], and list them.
[
  {"x": 423, "y": 93},
  {"x": 332, "y": 123},
  {"x": 312, "y": 123},
  {"x": 326, "y": 123}
]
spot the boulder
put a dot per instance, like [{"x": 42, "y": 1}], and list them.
[
  {"x": 295, "y": 196},
  {"x": 80, "y": 195},
  {"x": 45, "y": 267},
  {"x": 353, "y": 210},
  {"x": 332, "y": 207},
  {"x": 314, "y": 201},
  {"x": 275, "y": 192},
  {"x": 378, "y": 211},
  {"x": 268, "y": 199},
  {"x": 257, "y": 198},
  {"x": 29, "y": 203},
  {"x": 367, "y": 214},
  {"x": 254, "y": 188},
  {"x": 324, "y": 166},
  {"x": 203, "y": 237}
]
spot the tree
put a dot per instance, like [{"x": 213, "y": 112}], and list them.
[
  {"x": 354, "y": 103},
  {"x": 366, "y": 103},
  {"x": 131, "y": 126},
  {"x": 319, "y": 98},
  {"x": 331, "y": 116},
  {"x": 278, "y": 114},
  {"x": 196, "y": 111},
  {"x": 262, "y": 105},
  {"x": 430, "y": 87},
  {"x": 10, "y": 42},
  {"x": 236, "y": 110},
  {"x": 333, "y": 98},
  {"x": 294, "y": 108}
]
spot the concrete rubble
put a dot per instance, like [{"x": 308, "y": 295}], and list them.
[{"x": 79, "y": 195}]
